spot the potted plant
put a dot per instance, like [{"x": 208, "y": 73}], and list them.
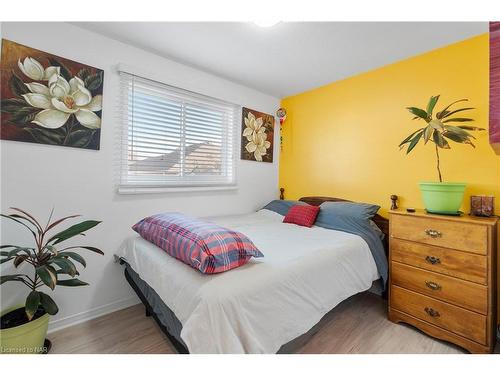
[
  {"x": 446, "y": 125},
  {"x": 24, "y": 327}
]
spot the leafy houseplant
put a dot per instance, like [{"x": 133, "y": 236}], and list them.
[
  {"x": 23, "y": 328},
  {"x": 443, "y": 198}
]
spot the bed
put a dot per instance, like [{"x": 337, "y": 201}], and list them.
[{"x": 270, "y": 304}]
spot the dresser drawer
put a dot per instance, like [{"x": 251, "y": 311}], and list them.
[
  {"x": 463, "y": 236},
  {"x": 452, "y": 318},
  {"x": 449, "y": 289},
  {"x": 459, "y": 264}
]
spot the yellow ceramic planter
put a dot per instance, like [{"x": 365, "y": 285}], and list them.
[{"x": 24, "y": 339}]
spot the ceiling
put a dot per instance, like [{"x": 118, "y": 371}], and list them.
[{"x": 287, "y": 58}]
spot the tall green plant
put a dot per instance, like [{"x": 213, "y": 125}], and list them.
[
  {"x": 48, "y": 260},
  {"x": 438, "y": 130}
]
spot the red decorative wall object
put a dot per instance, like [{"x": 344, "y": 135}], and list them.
[{"x": 495, "y": 85}]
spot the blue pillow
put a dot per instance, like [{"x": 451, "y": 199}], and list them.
[
  {"x": 282, "y": 206},
  {"x": 353, "y": 210},
  {"x": 347, "y": 210}
]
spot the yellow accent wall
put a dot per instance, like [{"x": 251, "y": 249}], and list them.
[{"x": 342, "y": 139}]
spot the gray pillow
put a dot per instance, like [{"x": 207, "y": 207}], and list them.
[
  {"x": 348, "y": 215},
  {"x": 351, "y": 210},
  {"x": 282, "y": 206}
]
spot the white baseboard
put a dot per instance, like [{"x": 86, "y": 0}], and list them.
[{"x": 57, "y": 324}]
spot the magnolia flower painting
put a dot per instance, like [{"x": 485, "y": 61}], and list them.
[
  {"x": 257, "y": 136},
  {"x": 49, "y": 99}
]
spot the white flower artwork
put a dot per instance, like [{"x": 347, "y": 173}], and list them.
[
  {"x": 257, "y": 136},
  {"x": 50, "y": 99},
  {"x": 61, "y": 99}
]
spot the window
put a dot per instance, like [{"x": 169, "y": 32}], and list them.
[{"x": 173, "y": 138}]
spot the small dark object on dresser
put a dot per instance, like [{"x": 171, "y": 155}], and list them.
[
  {"x": 394, "y": 202},
  {"x": 409, "y": 209}
]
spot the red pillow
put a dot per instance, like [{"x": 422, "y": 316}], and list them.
[{"x": 302, "y": 215}]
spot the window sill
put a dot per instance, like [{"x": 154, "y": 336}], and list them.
[{"x": 158, "y": 190}]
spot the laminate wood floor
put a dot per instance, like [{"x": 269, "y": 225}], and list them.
[{"x": 357, "y": 325}]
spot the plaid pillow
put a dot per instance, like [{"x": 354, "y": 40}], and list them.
[
  {"x": 302, "y": 215},
  {"x": 200, "y": 244}
]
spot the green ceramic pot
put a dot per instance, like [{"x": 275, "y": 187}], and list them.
[
  {"x": 442, "y": 197},
  {"x": 27, "y": 338}
]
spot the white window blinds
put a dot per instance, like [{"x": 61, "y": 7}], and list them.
[{"x": 173, "y": 138}]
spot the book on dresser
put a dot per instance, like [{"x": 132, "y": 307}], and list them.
[{"x": 443, "y": 276}]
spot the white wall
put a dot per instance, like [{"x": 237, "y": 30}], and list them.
[{"x": 39, "y": 177}]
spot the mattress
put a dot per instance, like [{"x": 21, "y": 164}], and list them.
[{"x": 269, "y": 301}]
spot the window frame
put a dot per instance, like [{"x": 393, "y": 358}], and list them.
[{"x": 175, "y": 183}]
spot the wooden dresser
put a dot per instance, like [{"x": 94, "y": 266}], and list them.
[{"x": 443, "y": 276}]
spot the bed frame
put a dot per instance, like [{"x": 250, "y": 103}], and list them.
[{"x": 381, "y": 222}]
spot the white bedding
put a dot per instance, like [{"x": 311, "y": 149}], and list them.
[{"x": 268, "y": 302}]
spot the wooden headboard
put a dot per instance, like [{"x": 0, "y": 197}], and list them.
[{"x": 381, "y": 222}]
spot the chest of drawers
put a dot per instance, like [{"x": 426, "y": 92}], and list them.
[{"x": 443, "y": 277}]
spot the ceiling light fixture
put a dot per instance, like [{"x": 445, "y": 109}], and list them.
[{"x": 266, "y": 23}]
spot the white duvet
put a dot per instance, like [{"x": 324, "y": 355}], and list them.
[{"x": 268, "y": 302}]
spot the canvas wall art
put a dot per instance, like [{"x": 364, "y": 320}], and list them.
[
  {"x": 49, "y": 99},
  {"x": 495, "y": 85},
  {"x": 257, "y": 135}
]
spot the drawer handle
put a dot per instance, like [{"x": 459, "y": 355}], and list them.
[
  {"x": 432, "y": 260},
  {"x": 432, "y": 312},
  {"x": 432, "y": 285},
  {"x": 433, "y": 233}
]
